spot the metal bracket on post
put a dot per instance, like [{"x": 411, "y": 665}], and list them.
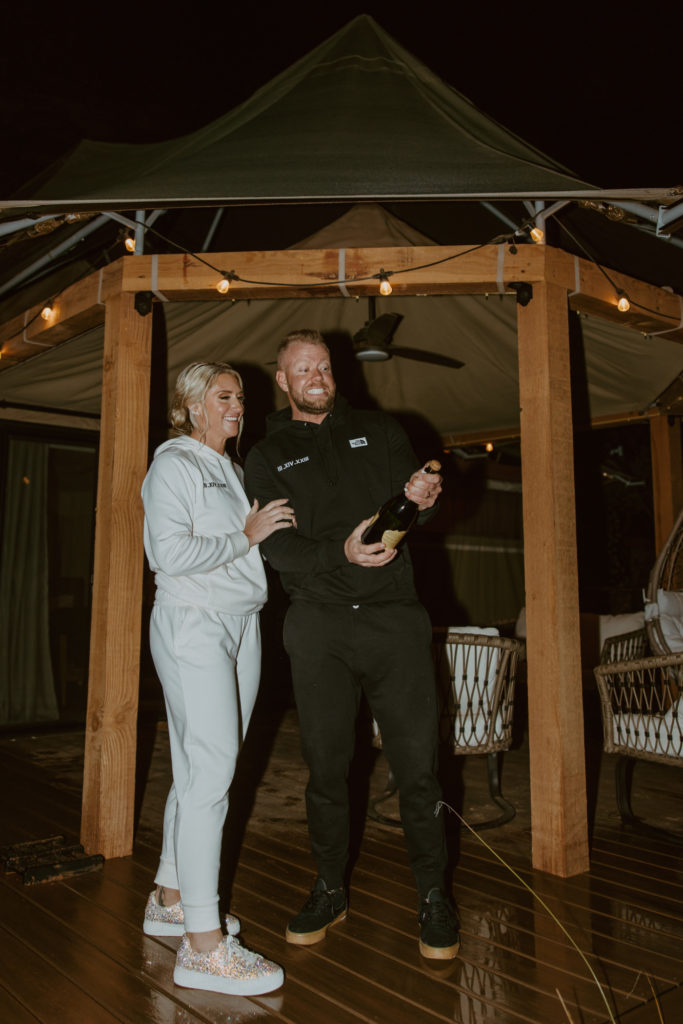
[{"x": 143, "y": 302}]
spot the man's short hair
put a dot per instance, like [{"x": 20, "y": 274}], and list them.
[{"x": 308, "y": 335}]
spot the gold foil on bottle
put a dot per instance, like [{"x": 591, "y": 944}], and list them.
[{"x": 390, "y": 538}]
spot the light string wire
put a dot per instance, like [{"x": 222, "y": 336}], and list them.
[
  {"x": 315, "y": 284},
  {"x": 511, "y": 238},
  {"x": 619, "y": 291}
]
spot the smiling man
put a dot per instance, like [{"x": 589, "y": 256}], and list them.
[{"x": 354, "y": 626}]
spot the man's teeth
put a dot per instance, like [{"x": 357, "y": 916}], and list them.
[{"x": 316, "y": 391}]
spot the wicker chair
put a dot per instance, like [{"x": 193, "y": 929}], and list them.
[
  {"x": 640, "y": 689},
  {"x": 476, "y": 673},
  {"x": 664, "y": 596}
]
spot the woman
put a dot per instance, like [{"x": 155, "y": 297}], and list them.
[{"x": 201, "y": 541}]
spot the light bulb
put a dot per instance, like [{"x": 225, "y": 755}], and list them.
[
  {"x": 47, "y": 312},
  {"x": 129, "y": 243},
  {"x": 537, "y": 234},
  {"x": 384, "y": 285},
  {"x": 223, "y": 285},
  {"x": 623, "y": 305},
  {"x": 489, "y": 446}
]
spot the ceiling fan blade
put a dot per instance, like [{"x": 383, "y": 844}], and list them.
[
  {"x": 379, "y": 330},
  {"x": 426, "y": 357}
]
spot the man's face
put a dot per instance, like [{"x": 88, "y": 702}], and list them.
[{"x": 305, "y": 375}]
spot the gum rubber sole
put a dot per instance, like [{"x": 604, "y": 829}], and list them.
[
  {"x": 439, "y": 952},
  {"x": 310, "y": 938}
]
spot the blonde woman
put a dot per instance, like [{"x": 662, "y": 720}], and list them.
[{"x": 201, "y": 540}]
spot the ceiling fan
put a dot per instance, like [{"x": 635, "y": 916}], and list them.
[{"x": 373, "y": 342}]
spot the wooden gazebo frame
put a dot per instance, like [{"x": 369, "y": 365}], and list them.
[{"x": 560, "y": 282}]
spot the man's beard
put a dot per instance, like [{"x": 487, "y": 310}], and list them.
[{"x": 325, "y": 405}]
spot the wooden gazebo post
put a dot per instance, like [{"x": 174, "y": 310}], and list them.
[
  {"x": 667, "y": 474},
  {"x": 111, "y": 734},
  {"x": 556, "y": 749}
]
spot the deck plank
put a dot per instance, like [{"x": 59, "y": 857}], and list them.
[
  {"x": 626, "y": 914},
  {"x": 14, "y": 1012},
  {"x": 41, "y": 987}
]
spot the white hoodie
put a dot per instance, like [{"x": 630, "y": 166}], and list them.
[{"x": 195, "y": 510}]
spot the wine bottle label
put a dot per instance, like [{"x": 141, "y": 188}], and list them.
[{"x": 390, "y": 538}]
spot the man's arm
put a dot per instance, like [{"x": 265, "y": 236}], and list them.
[
  {"x": 422, "y": 488},
  {"x": 288, "y": 550}
]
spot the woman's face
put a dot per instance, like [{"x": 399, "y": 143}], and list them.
[{"x": 224, "y": 405}]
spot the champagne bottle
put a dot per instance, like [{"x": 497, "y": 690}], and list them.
[{"x": 391, "y": 523}]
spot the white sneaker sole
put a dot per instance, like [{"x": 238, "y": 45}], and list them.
[{"x": 186, "y": 978}]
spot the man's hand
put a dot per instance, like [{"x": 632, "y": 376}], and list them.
[
  {"x": 423, "y": 489},
  {"x": 366, "y": 554}
]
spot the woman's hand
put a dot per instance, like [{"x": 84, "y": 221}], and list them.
[{"x": 261, "y": 522}]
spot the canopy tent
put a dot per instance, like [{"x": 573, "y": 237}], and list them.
[
  {"x": 303, "y": 133},
  {"x": 358, "y": 118}
]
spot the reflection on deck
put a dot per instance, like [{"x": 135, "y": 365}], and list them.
[{"x": 74, "y": 950}]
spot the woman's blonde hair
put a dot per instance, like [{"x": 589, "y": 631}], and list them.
[{"x": 190, "y": 390}]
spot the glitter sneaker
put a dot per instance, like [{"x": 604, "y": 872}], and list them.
[
  {"x": 230, "y": 968},
  {"x": 171, "y": 920}
]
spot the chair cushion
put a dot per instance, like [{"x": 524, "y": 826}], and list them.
[
  {"x": 616, "y": 625},
  {"x": 669, "y": 610},
  {"x": 471, "y": 690}
]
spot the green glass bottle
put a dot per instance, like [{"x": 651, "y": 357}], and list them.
[{"x": 393, "y": 520}]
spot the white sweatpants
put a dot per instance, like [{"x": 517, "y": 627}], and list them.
[{"x": 209, "y": 666}]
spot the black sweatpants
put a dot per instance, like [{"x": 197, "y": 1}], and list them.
[{"x": 383, "y": 650}]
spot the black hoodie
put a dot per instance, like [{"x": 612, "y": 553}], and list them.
[{"x": 334, "y": 474}]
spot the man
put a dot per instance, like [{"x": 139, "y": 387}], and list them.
[{"x": 354, "y": 625}]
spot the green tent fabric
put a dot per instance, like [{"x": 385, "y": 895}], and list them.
[{"x": 357, "y": 118}]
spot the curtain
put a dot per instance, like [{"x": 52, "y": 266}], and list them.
[{"x": 27, "y": 692}]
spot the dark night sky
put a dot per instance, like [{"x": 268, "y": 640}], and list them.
[{"x": 589, "y": 85}]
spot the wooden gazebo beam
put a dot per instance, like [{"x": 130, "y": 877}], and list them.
[{"x": 296, "y": 272}]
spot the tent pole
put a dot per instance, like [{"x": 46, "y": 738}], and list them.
[
  {"x": 212, "y": 230},
  {"x": 48, "y": 257},
  {"x": 139, "y": 232},
  {"x": 559, "y": 824},
  {"x": 113, "y": 678}
]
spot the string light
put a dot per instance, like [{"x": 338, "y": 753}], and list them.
[
  {"x": 384, "y": 283},
  {"x": 624, "y": 303},
  {"x": 489, "y": 446},
  {"x": 129, "y": 242},
  {"x": 537, "y": 234},
  {"x": 47, "y": 312},
  {"x": 223, "y": 285}
]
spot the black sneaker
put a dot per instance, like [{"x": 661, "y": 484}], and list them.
[
  {"x": 439, "y": 935},
  {"x": 322, "y": 908}
]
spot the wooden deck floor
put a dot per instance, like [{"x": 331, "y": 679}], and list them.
[{"x": 74, "y": 950}]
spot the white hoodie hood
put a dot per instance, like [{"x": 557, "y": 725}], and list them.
[{"x": 195, "y": 511}]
